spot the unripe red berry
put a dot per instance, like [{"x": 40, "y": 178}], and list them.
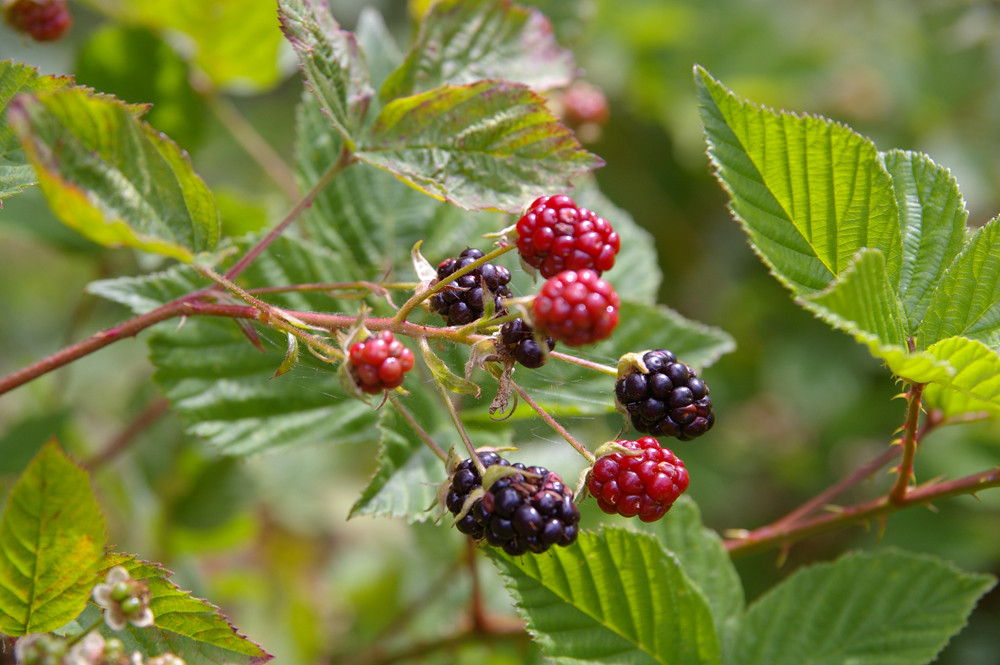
[{"x": 555, "y": 234}]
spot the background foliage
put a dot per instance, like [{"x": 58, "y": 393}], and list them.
[{"x": 799, "y": 404}]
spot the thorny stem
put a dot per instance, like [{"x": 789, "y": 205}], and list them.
[
  {"x": 898, "y": 492},
  {"x": 155, "y": 410},
  {"x": 253, "y": 143},
  {"x": 418, "y": 298},
  {"x": 579, "y": 447},
  {"x": 408, "y": 417},
  {"x": 346, "y": 159},
  {"x": 777, "y": 536}
]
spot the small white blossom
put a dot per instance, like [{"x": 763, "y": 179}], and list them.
[{"x": 124, "y": 600}]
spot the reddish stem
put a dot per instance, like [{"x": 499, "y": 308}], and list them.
[{"x": 898, "y": 492}]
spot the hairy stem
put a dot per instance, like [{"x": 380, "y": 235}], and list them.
[
  {"x": 898, "y": 492},
  {"x": 453, "y": 412},
  {"x": 579, "y": 447},
  {"x": 424, "y": 436},
  {"x": 777, "y": 535},
  {"x": 597, "y": 367}
]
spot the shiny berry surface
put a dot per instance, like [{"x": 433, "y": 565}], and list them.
[
  {"x": 644, "y": 484},
  {"x": 576, "y": 307},
  {"x": 380, "y": 362},
  {"x": 555, "y": 234}
]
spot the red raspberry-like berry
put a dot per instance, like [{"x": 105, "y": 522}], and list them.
[
  {"x": 379, "y": 362},
  {"x": 576, "y": 307},
  {"x": 555, "y": 235},
  {"x": 645, "y": 484},
  {"x": 44, "y": 20}
]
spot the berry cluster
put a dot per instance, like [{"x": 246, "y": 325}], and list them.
[
  {"x": 379, "y": 362},
  {"x": 44, "y": 20},
  {"x": 519, "y": 512},
  {"x": 518, "y": 339},
  {"x": 555, "y": 235},
  {"x": 461, "y": 301},
  {"x": 576, "y": 307},
  {"x": 670, "y": 400},
  {"x": 645, "y": 480}
]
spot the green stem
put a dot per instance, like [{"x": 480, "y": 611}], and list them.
[
  {"x": 418, "y": 298},
  {"x": 597, "y": 367},
  {"x": 411, "y": 421},
  {"x": 579, "y": 447},
  {"x": 453, "y": 412}
]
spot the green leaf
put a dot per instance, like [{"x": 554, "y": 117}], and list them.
[
  {"x": 974, "y": 384},
  {"x": 333, "y": 65},
  {"x": 463, "y": 41},
  {"x": 966, "y": 301},
  {"x": 221, "y": 384},
  {"x": 862, "y": 300},
  {"x": 407, "y": 472},
  {"x": 15, "y": 78},
  {"x": 218, "y": 491},
  {"x": 932, "y": 218},
  {"x": 486, "y": 145},
  {"x": 582, "y": 603},
  {"x": 112, "y": 177},
  {"x": 707, "y": 564},
  {"x": 367, "y": 217},
  {"x": 809, "y": 192},
  {"x": 189, "y": 627},
  {"x": 51, "y": 538},
  {"x": 22, "y": 439},
  {"x": 890, "y": 608},
  {"x": 147, "y": 292},
  {"x": 233, "y": 43}
]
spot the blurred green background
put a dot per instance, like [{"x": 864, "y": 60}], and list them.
[{"x": 798, "y": 405}]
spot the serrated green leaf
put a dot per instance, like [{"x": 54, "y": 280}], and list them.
[
  {"x": 367, "y": 217},
  {"x": 15, "y": 78},
  {"x": 577, "y": 602},
  {"x": 966, "y": 301},
  {"x": 51, "y": 539},
  {"x": 707, "y": 564},
  {"x": 921, "y": 367},
  {"x": 932, "y": 219},
  {"x": 332, "y": 62},
  {"x": 487, "y": 145},
  {"x": 462, "y": 41},
  {"x": 886, "y": 608},
  {"x": 863, "y": 300},
  {"x": 112, "y": 177},
  {"x": 189, "y": 627},
  {"x": 235, "y": 44},
  {"x": 809, "y": 192},
  {"x": 974, "y": 384}
]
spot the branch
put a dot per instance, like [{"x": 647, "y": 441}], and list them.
[
  {"x": 777, "y": 535},
  {"x": 898, "y": 492},
  {"x": 129, "y": 328}
]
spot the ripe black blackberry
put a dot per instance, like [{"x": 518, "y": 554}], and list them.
[
  {"x": 520, "y": 512},
  {"x": 461, "y": 301},
  {"x": 668, "y": 401},
  {"x": 517, "y": 337}
]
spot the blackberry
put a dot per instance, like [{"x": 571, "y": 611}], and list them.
[
  {"x": 461, "y": 301},
  {"x": 555, "y": 234},
  {"x": 637, "y": 478},
  {"x": 518, "y": 339},
  {"x": 576, "y": 308},
  {"x": 379, "y": 362},
  {"x": 520, "y": 512},
  {"x": 668, "y": 401}
]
